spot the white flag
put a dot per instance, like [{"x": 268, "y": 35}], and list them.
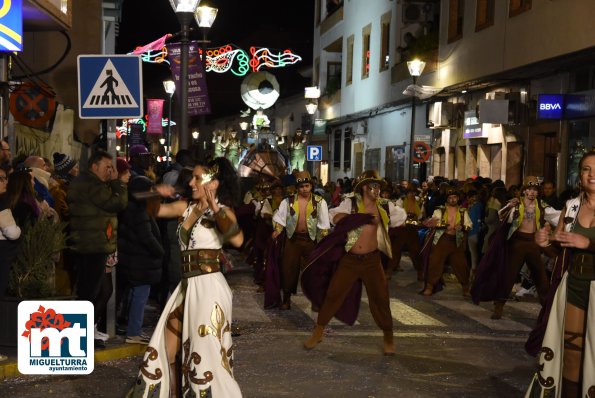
[{"x": 421, "y": 92}]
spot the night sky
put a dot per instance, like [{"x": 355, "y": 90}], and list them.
[{"x": 265, "y": 23}]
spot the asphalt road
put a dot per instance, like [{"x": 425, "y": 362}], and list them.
[{"x": 446, "y": 347}]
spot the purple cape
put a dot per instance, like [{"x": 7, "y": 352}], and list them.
[
  {"x": 272, "y": 284},
  {"x": 533, "y": 344},
  {"x": 491, "y": 278},
  {"x": 323, "y": 263}
]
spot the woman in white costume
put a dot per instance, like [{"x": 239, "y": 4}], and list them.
[
  {"x": 190, "y": 352},
  {"x": 567, "y": 355}
]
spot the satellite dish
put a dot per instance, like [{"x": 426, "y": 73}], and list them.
[{"x": 260, "y": 90}]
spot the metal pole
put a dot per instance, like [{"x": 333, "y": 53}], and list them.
[
  {"x": 185, "y": 18},
  {"x": 204, "y": 70},
  {"x": 168, "y": 139},
  {"x": 412, "y": 138}
]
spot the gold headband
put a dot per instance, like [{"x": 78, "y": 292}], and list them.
[{"x": 209, "y": 174}]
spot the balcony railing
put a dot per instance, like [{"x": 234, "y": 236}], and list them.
[{"x": 332, "y": 19}]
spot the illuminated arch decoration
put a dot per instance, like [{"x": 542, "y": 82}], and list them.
[
  {"x": 228, "y": 58},
  {"x": 123, "y": 129},
  {"x": 222, "y": 59},
  {"x": 264, "y": 57},
  {"x": 155, "y": 56}
]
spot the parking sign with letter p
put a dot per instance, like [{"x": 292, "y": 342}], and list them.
[{"x": 314, "y": 153}]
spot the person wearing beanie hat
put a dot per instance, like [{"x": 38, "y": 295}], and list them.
[
  {"x": 525, "y": 216},
  {"x": 141, "y": 161},
  {"x": 123, "y": 168},
  {"x": 64, "y": 166}
]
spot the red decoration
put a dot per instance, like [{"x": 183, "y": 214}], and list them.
[{"x": 43, "y": 319}]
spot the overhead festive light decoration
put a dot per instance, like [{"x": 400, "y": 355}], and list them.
[
  {"x": 164, "y": 122},
  {"x": 155, "y": 56},
  {"x": 229, "y": 58},
  {"x": 123, "y": 129},
  {"x": 222, "y": 59},
  {"x": 263, "y": 57}
]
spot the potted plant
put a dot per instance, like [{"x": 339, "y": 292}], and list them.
[{"x": 32, "y": 273}]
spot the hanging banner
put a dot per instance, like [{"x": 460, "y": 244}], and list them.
[
  {"x": 155, "y": 109},
  {"x": 198, "y": 97},
  {"x": 137, "y": 135}
]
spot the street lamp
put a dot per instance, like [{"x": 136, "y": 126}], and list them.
[
  {"x": 184, "y": 10},
  {"x": 195, "y": 134},
  {"x": 170, "y": 89},
  {"x": 311, "y": 107},
  {"x": 312, "y": 94},
  {"x": 416, "y": 67},
  {"x": 205, "y": 18}
]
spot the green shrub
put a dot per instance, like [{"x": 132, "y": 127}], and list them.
[{"x": 32, "y": 274}]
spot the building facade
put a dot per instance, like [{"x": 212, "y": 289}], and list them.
[
  {"x": 495, "y": 61},
  {"x": 55, "y": 32}
]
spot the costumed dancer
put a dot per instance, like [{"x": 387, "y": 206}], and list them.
[
  {"x": 361, "y": 233},
  {"x": 233, "y": 148},
  {"x": 262, "y": 232},
  {"x": 525, "y": 216},
  {"x": 219, "y": 146},
  {"x": 407, "y": 235},
  {"x": 196, "y": 321},
  {"x": 298, "y": 150},
  {"x": 304, "y": 219},
  {"x": 448, "y": 243},
  {"x": 273, "y": 251},
  {"x": 567, "y": 351}
]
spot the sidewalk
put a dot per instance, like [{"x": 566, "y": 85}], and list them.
[{"x": 117, "y": 348}]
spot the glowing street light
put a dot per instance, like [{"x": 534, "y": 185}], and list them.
[
  {"x": 416, "y": 67},
  {"x": 184, "y": 10},
  {"x": 170, "y": 89}
]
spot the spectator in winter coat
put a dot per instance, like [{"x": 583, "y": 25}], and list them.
[
  {"x": 95, "y": 198},
  {"x": 9, "y": 235},
  {"x": 140, "y": 252}
]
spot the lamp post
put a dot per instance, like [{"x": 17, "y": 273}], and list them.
[
  {"x": 195, "y": 146},
  {"x": 184, "y": 10},
  {"x": 170, "y": 89},
  {"x": 205, "y": 18},
  {"x": 416, "y": 68}
]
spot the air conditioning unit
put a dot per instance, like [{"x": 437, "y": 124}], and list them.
[
  {"x": 441, "y": 115},
  {"x": 361, "y": 128},
  {"x": 416, "y": 11},
  {"x": 493, "y": 111},
  {"x": 518, "y": 112}
]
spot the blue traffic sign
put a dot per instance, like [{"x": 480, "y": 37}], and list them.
[
  {"x": 314, "y": 153},
  {"x": 11, "y": 26},
  {"x": 110, "y": 86}
]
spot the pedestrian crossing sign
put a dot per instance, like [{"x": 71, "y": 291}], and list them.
[{"x": 110, "y": 86}]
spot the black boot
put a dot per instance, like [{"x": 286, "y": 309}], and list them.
[{"x": 286, "y": 304}]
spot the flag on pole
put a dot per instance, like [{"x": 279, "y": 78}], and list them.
[
  {"x": 152, "y": 46},
  {"x": 155, "y": 108}
]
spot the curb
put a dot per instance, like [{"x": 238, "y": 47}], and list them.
[{"x": 9, "y": 368}]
